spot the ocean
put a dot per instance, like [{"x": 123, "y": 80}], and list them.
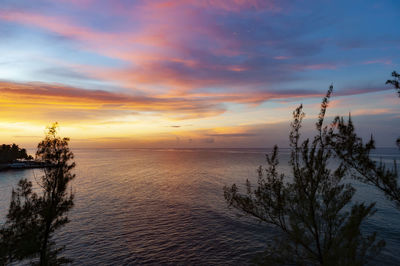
[{"x": 166, "y": 206}]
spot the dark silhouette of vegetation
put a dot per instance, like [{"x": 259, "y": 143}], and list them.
[
  {"x": 10, "y": 153},
  {"x": 351, "y": 150},
  {"x": 396, "y": 84},
  {"x": 395, "y": 81},
  {"x": 312, "y": 208},
  {"x": 33, "y": 217},
  {"x": 356, "y": 155}
]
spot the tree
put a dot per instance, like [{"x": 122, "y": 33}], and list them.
[
  {"x": 355, "y": 154},
  {"x": 10, "y": 153},
  {"x": 395, "y": 81},
  {"x": 20, "y": 235},
  {"x": 312, "y": 208},
  {"x": 396, "y": 84},
  {"x": 33, "y": 218},
  {"x": 350, "y": 148}
]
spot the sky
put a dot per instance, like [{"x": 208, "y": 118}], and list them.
[{"x": 194, "y": 73}]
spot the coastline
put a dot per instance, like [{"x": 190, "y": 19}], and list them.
[{"x": 22, "y": 165}]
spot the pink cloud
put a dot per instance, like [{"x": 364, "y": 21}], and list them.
[
  {"x": 238, "y": 5},
  {"x": 378, "y": 61},
  {"x": 321, "y": 66},
  {"x": 80, "y": 3},
  {"x": 148, "y": 44},
  {"x": 163, "y": 50},
  {"x": 225, "y": 5},
  {"x": 282, "y": 57}
]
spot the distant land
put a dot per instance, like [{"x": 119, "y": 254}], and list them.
[{"x": 14, "y": 157}]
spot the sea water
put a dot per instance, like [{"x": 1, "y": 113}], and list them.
[{"x": 166, "y": 206}]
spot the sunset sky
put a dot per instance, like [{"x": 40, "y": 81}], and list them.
[{"x": 194, "y": 73}]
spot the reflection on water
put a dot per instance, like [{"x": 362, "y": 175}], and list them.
[{"x": 167, "y": 206}]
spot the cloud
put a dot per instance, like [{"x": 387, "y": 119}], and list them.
[
  {"x": 64, "y": 72},
  {"x": 362, "y": 89},
  {"x": 207, "y": 140},
  {"x": 234, "y": 135},
  {"x": 238, "y": 5},
  {"x": 184, "y": 46},
  {"x": 281, "y": 57},
  {"x": 120, "y": 62},
  {"x": 321, "y": 66},
  {"x": 69, "y": 101},
  {"x": 83, "y": 104},
  {"x": 378, "y": 61}
]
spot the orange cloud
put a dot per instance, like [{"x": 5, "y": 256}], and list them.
[
  {"x": 39, "y": 96},
  {"x": 50, "y": 100}
]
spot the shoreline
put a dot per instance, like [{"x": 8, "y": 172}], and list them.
[{"x": 22, "y": 165}]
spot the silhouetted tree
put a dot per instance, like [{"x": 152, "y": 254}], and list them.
[
  {"x": 34, "y": 217},
  {"x": 356, "y": 155},
  {"x": 396, "y": 84},
  {"x": 349, "y": 147},
  {"x": 20, "y": 236},
  {"x": 10, "y": 153},
  {"x": 395, "y": 81},
  {"x": 312, "y": 207}
]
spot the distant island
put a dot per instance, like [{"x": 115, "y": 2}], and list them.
[{"x": 14, "y": 157}]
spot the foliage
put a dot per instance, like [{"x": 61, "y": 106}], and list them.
[
  {"x": 20, "y": 235},
  {"x": 312, "y": 207},
  {"x": 396, "y": 84},
  {"x": 10, "y": 153},
  {"x": 351, "y": 150},
  {"x": 355, "y": 154},
  {"x": 395, "y": 81},
  {"x": 34, "y": 217}
]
